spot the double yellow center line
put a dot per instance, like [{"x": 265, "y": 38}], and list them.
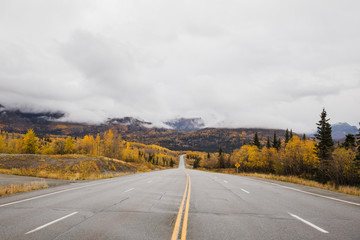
[{"x": 180, "y": 213}]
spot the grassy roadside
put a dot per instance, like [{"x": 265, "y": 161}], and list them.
[
  {"x": 352, "y": 190},
  {"x": 69, "y": 167},
  {"x": 18, "y": 188}
]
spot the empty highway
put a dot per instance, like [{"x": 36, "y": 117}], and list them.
[{"x": 146, "y": 206}]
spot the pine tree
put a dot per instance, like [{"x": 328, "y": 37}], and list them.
[
  {"x": 349, "y": 142},
  {"x": 221, "y": 158},
  {"x": 325, "y": 143},
  {"x": 358, "y": 147},
  {"x": 268, "y": 145},
  {"x": 291, "y": 134},
  {"x": 274, "y": 145},
  {"x": 304, "y": 137},
  {"x": 287, "y": 138},
  {"x": 196, "y": 163},
  {"x": 256, "y": 141},
  {"x": 276, "y": 142},
  {"x": 220, "y": 151}
]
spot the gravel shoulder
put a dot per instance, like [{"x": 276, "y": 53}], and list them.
[{"x": 6, "y": 180}]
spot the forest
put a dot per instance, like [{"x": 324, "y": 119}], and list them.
[
  {"x": 317, "y": 159},
  {"x": 108, "y": 144}
]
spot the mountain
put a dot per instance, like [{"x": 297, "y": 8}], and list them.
[
  {"x": 340, "y": 130},
  {"x": 186, "y": 134},
  {"x": 186, "y": 124},
  {"x": 19, "y": 121}
]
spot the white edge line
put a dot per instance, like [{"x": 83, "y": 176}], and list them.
[
  {"x": 50, "y": 223},
  {"x": 48, "y": 194},
  {"x": 308, "y": 223},
  {"x": 244, "y": 190},
  {"x": 129, "y": 190},
  {"x": 310, "y": 193}
]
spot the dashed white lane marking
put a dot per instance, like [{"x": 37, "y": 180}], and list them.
[
  {"x": 50, "y": 223},
  {"x": 310, "y": 193},
  {"x": 225, "y": 181},
  {"x": 149, "y": 181},
  {"x": 244, "y": 190},
  {"x": 49, "y": 194},
  {"x": 129, "y": 190},
  {"x": 308, "y": 223}
]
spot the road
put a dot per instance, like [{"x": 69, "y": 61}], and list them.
[{"x": 146, "y": 206}]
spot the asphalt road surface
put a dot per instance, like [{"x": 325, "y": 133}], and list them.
[{"x": 146, "y": 206}]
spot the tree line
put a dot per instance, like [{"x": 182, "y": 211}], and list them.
[
  {"x": 316, "y": 159},
  {"x": 108, "y": 144}
]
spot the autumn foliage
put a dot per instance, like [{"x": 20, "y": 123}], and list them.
[
  {"x": 108, "y": 144},
  {"x": 296, "y": 158}
]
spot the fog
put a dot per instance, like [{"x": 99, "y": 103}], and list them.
[{"x": 259, "y": 63}]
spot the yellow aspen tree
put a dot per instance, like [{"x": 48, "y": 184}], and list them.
[
  {"x": 69, "y": 145},
  {"x": 109, "y": 144},
  {"x": 30, "y": 145},
  {"x": 98, "y": 142},
  {"x": 2, "y": 144}
]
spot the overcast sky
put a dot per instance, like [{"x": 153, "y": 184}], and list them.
[{"x": 255, "y": 63}]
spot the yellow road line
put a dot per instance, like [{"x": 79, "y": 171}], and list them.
[
  {"x": 186, "y": 215},
  {"x": 178, "y": 218}
]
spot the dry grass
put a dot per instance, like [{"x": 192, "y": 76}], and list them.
[
  {"x": 70, "y": 167},
  {"x": 63, "y": 174},
  {"x": 18, "y": 188},
  {"x": 66, "y": 167},
  {"x": 352, "y": 190}
]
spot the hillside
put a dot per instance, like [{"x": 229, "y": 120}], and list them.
[
  {"x": 48, "y": 124},
  {"x": 69, "y": 167}
]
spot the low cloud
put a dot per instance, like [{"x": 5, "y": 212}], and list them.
[{"x": 235, "y": 64}]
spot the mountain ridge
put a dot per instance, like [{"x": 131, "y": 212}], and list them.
[{"x": 182, "y": 134}]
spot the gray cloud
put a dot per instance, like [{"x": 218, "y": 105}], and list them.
[{"x": 236, "y": 63}]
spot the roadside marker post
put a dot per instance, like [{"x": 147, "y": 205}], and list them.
[{"x": 237, "y": 165}]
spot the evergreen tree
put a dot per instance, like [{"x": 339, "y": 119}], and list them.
[
  {"x": 358, "y": 147},
  {"x": 220, "y": 151},
  {"x": 29, "y": 142},
  {"x": 349, "y": 142},
  {"x": 274, "y": 145},
  {"x": 276, "y": 142},
  {"x": 279, "y": 143},
  {"x": 196, "y": 162},
  {"x": 291, "y": 134},
  {"x": 208, "y": 155},
  {"x": 304, "y": 137},
  {"x": 287, "y": 137},
  {"x": 221, "y": 158},
  {"x": 325, "y": 143},
  {"x": 256, "y": 141},
  {"x": 268, "y": 144}
]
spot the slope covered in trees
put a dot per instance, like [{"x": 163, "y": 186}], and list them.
[
  {"x": 315, "y": 159},
  {"x": 108, "y": 144},
  {"x": 134, "y": 130}
]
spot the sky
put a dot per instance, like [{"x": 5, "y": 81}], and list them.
[{"x": 255, "y": 63}]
